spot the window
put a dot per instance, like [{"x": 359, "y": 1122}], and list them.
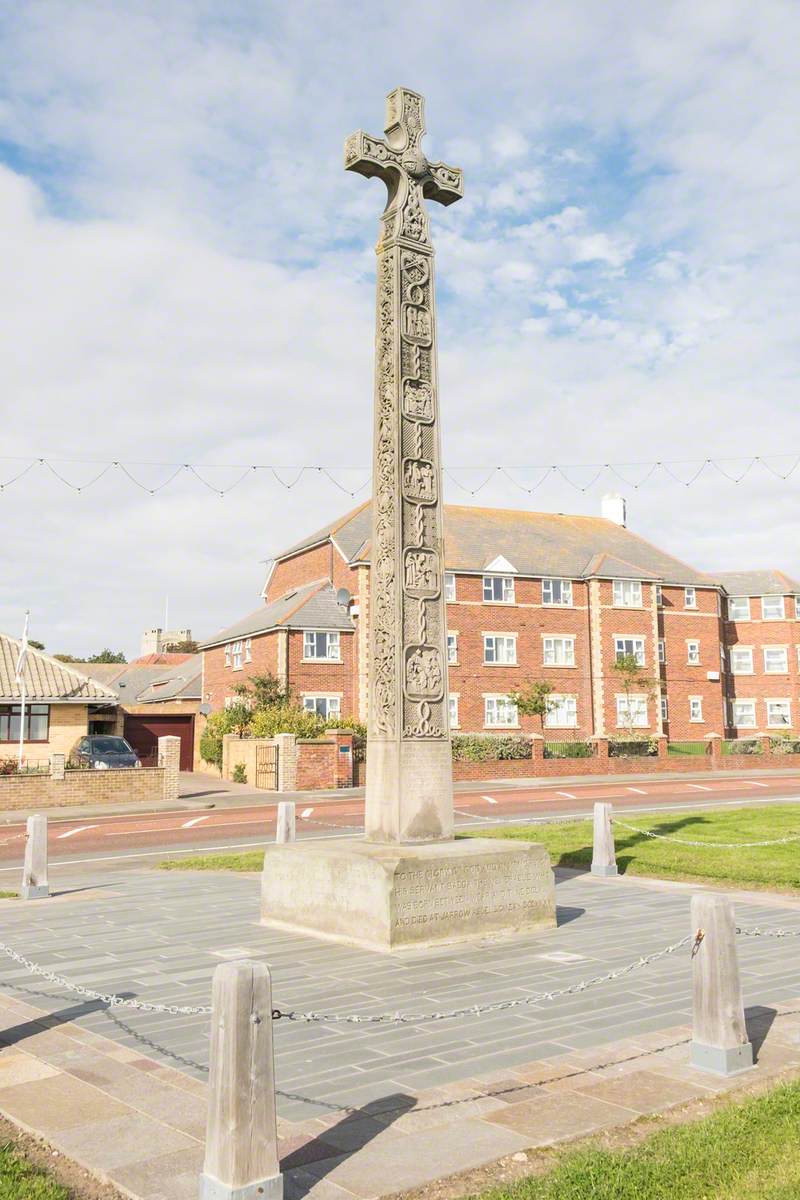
[
  {"x": 236, "y": 654},
  {"x": 741, "y": 660},
  {"x": 738, "y": 608},
  {"x": 37, "y": 722},
  {"x": 228, "y": 655},
  {"x": 627, "y": 593},
  {"x": 772, "y": 608},
  {"x": 500, "y": 649},
  {"x": 662, "y": 650},
  {"x": 557, "y": 591},
  {"x": 776, "y": 660},
  {"x": 248, "y": 650},
  {"x": 695, "y": 708},
  {"x": 659, "y": 595},
  {"x": 449, "y": 585},
  {"x": 689, "y": 597},
  {"x": 559, "y": 651},
  {"x": 499, "y": 711},
  {"x": 453, "y": 703},
  {"x": 797, "y": 607},
  {"x": 664, "y": 709},
  {"x": 323, "y": 706},
  {"x": 693, "y": 653},
  {"x": 779, "y": 713},
  {"x": 498, "y": 589},
  {"x": 321, "y": 646},
  {"x": 632, "y": 711},
  {"x": 743, "y": 714},
  {"x": 563, "y": 713},
  {"x": 625, "y": 645},
  {"x": 452, "y": 647}
]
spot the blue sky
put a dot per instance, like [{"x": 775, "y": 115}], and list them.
[{"x": 188, "y": 275}]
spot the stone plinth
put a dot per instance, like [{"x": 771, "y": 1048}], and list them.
[{"x": 385, "y": 897}]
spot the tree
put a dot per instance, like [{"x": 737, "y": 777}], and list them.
[
  {"x": 66, "y": 658},
  {"x": 107, "y": 656},
  {"x": 633, "y": 679},
  {"x": 185, "y": 647},
  {"x": 35, "y": 645},
  {"x": 264, "y": 691},
  {"x": 534, "y": 700}
]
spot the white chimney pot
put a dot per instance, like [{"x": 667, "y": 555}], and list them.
[{"x": 613, "y": 508}]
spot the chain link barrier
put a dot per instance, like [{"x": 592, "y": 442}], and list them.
[
  {"x": 794, "y": 837},
  {"x": 756, "y": 931}
]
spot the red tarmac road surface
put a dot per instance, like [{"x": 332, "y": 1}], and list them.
[{"x": 145, "y": 836}]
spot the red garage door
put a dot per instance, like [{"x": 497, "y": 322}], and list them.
[{"x": 143, "y": 734}]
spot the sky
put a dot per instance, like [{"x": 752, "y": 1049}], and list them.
[{"x": 187, "y": 276}]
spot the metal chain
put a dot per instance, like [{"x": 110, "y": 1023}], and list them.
[
  {"x": 711, "y": 845},
  {"x": 754, "y": 931}
]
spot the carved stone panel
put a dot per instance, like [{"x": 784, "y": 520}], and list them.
[
  {"x": 421, "y": 573},
  {"x": 419, "y": 480},
  {"x": 424, "y": 673}
]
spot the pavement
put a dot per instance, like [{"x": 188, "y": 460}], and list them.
[{"x": 364, "y": 1110}]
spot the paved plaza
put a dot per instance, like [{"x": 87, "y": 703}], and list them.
[{"x": 362, "y": 1108}]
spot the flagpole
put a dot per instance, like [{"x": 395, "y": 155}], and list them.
[
  {"x": 22, "y": 724},
  {"x": 20, "y": 678}
]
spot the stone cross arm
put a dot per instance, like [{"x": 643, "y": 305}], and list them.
[{"x": 399, "y": 158}]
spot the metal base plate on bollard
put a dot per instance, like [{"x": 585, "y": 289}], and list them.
[
  {"x": 34, "y": 891},
  {"x": 732, "y": 1061},
  {"x": 265, "y": 1189},
  {"x": 605, "y": 871}
]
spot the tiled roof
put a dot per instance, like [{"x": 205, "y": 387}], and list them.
[
  {"x": 179, "y": 682},
  {"x": 556, "y": 544},
  {"x": 167, "y": 658},
  {"x": 312, "y": 606},
  {"x": 758, "y": 583},
  {"x": 47, "y": 679}
]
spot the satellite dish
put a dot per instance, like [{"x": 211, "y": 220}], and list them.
[{"x": 343, "y": 597}]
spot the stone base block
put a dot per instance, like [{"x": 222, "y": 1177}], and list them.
[
  {"x": 264, "y": 1189},
  {"x": 606, "y": 871},
  {"x": 386, "y": 896},
  {"x": 34, "y": 891},
  {"x": 720, "y": 1061}
]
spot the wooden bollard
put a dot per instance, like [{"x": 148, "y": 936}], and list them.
[
  {"x": 719, "y": 1033},
  {"x": 604, "y": 860},
  {"x": 286, "y": 830},
  {"x": 34, "y": 871},
  {"x": 241, "y": 1160}
]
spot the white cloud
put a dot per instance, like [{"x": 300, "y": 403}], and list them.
[{"x": 509, "y": 143}]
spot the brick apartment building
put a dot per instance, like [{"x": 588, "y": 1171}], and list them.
[{"x": 534, "y": 596}]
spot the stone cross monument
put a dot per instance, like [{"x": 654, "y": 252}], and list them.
[{"x": 409, "y": 766}]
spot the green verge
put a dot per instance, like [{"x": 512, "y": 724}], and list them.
[
  {"x": 250, "y": 860},
  {"x": 746, "y": 1151},
  {"x": 9, "y": 895},
  {"x": 569, "y": 844},
  {"x": 20, "y": 1180}
]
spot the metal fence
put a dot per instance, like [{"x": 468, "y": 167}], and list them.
[
  {"x": 689, "y": 749},
  {"x": 646, "y": 748},
  {"x": 569, "y": 748},
  {"x": 741, "y": 746}
]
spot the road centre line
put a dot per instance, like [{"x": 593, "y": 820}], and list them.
[
  {"x": 489, "y": 799},
  {"x": 177, "y": 828},
  {"x": 194, "y": 821},
  {"x": 78, "y": 829},
  {"x": 569, "y": 795},
  {"x": 755, "y": 783},
  {"x": 701, "y": 787},
  {"x": 641, "y": 791}
]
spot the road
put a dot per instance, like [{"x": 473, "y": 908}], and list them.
[{"x": 141, "y": 839}]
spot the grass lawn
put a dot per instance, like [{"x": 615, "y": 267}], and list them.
[
  {"x": 570, "y": 844},
  {"x": 250, "y": 860},
  {"x": 19, "y": 1180},
  {"x": 9, "y": 895},
  {"x": 747, "y": 1151}
]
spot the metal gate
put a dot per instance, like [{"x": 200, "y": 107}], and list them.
[{"x": 267, "y": 767}]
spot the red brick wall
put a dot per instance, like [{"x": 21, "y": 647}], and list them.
[
  {"x": 327, "y": 678},
  {"x": 677, "y": 625},
  {"x": 219, "y": 680},
  {"x": 625, "y": 622},
  {"x": 761, "y": 686}
]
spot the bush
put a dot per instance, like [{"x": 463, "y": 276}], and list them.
[
  {"x": 784, "y": 743},
  {"x": 569, "y": 748},
  {"x": 217, "y": 725},
  {"x": 9, "y": 766},
  {"x": 489, "y": 747},
  {"x": 635, "y": 747},
  {"x": 239, "y": 773},
  {"x": 286, "y": 718}
]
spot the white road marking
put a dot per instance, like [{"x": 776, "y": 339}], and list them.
[
  {"x": 194, "y": 821},
  {"x": 489, "y": 799},
  {"x": 700, "y": 787},
  {"x": 569, "y": 795},
  {"x": 79, "y": 829},
  {"x": 306, "y": 813},
  {"x": 755, "y": 783},
  {"x": 641, "y": 791}
]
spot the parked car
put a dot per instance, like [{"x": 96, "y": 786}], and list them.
[{"x": 101, "y": 750}]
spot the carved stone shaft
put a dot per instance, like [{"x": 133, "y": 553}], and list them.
[
  {"x": 719, "y": 1034},
  {"x": 604, "y": 860},
  {"x": 409, "y": 794},
  {"x": 34, "y": 871}
]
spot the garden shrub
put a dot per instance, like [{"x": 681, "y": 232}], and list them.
[{"x": 490, "y": 747}]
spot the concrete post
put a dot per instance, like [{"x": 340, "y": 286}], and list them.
[
  {"x": 34, "y": 871},
  {"x": 58, "y": 766},
  {"x": 241, "y": 1159},
  {"x": 604, "y": 859},
  {"x": 169, "y": 757},
  {"x": 286, "y": 830},
  {"x": 287, "y": 762},
  {"x": 719, "y": 1033}
]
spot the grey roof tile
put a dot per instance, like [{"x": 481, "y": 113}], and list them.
[
  {"x": 312, "y": 606},
  {"x": 758, "y": 583},
  {"x": 47, "y": 679}
]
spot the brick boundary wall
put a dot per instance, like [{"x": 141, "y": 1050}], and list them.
[
  {"x": 304, "y": 764},
  {"x": 65, "y": 789}
]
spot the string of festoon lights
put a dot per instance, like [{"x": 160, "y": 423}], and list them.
[{"x": 527, "y": 478}]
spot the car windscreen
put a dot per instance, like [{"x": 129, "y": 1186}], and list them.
[{"x": 110, "y": 745}]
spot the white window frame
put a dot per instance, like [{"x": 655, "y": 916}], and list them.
[
  {"x": 781, "y": 616},
  {"x": 659, "y": 595},
  {"x": 236, "y": 654},
  {"x": 742, "y": 600},
  {"x": 736, "y": 723},
  {"x": 565, "y": 586},
  {"x": 785, "y": 701},
  {"x": 452, "y": 648},
  {"x": 732, "y": 652},
  {"x": 783, "y": 670},
  {"x": 662, "y": 651},
  {"x": 550, "y": 656},
  {"x": 332, "y": 642},
  {"x": 664, "y": 708},
  {"x": 638, "y": 648},
  {"x": 564, "y": 711},
  {"x": 692, "y": 652},
  {"x": 506, "y": 589},
  {"x": 797, "y": 648},
  {"x": 627, "y": 593},
  {"x": 509, "y": 641},
  {"x": 452, "y": 708},
  {"x": 690, "y": 597},
  {"x": 228, "y": 654},
  {"x": 328, "y": 697},
  {"x": 696, "y": 710},
  {"x": 248, "y": 650},
  {"x": 449, "y": 585},
  {"x": 641, "y": 707},
  {"x": 797, "y": 608},
  {"x": 495, "y": 703}
]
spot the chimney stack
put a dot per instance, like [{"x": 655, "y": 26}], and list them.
[{"x": 613, "y": 508}]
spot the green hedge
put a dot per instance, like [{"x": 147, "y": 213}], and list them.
[{"x": 483, "y": 747}]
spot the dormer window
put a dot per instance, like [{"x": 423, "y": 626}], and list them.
[
  {"x": 498, "y": 589},
  {"x": 627, "y": 593}
]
